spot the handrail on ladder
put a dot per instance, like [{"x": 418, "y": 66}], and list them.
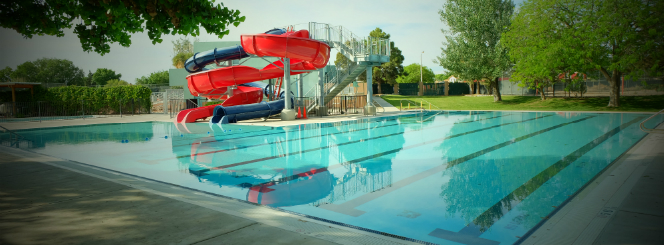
[
  {"x": 17, "y": 137},
  {"x": 651, "y": 130}
]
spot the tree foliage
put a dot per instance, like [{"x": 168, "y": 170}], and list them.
[
  {"x": 98, "y": 23},
  {"x": 411, "y": 74},
  {"x": 183, "y": 49},
  {"x": 103, "y": 75},
  {"x": 473, "y": 49},
  {"x": 613, "y": 36},
  {"x": 386, "y": 72},
  {"x": 160, "y": 77},
  {"x": 47, "y": 70},
  {"x": 115, "y": 83},
  {"x": 342, "y": 62},
  {"x": 5, "y": 74}
]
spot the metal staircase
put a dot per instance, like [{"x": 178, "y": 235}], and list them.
[{"x": 362, "y": 52}]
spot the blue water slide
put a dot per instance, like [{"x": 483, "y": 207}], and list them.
[
  {"x": 197, "y": 62},
  {"x": 233, "y": 114}
]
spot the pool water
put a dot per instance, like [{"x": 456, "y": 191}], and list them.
[{"x": 450, "y": 177}]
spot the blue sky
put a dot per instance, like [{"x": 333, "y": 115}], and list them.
[{"x": 415, "y": 27}]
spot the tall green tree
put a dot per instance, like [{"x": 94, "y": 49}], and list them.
[
  {"x": 386, "y": 72},
  {"x": 411, "y": 74},
  {"x": 341, "y": 61},
  {"x": 615, "y": 37},
  {"x": 160, "y": 77},
  {"x": 5, "y": 74},
  {"x": 47, "y": 70},
  {"x": 537, "y": 50},
  {"x": 98, "y": 23},
  {"x": 473, "y": 48},
  {"x": 103, "y": 75},
  {"x": 183, "y": 49}
]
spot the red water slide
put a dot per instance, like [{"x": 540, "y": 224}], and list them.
[{"x": 304, "y": 54}]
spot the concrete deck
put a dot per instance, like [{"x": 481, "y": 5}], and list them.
[{"x": 623, "y": 205}]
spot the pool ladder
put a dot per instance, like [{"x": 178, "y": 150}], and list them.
[
  {"x": 421, "y": 108},
  {"x": 14, "y": 138},
  {"x": 651, "y": 130}
]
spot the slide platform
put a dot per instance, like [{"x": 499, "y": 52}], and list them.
[{"x": 226, "y": 83}]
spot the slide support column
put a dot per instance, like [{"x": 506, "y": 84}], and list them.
[
  {"x": 288, "y": 114},
  {"x": 300, "y": 91},
  {"x": 321, "y": 110},
  {"x": 369, "y": 109}
]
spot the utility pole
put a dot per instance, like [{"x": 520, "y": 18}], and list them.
[{"x": 421, "y": 83}]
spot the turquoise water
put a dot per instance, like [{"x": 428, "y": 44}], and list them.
[{"x": 439, "y": 177}]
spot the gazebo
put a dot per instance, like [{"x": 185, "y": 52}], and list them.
[{"x": 14, "y": 85}]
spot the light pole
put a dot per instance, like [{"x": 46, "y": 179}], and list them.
[{"x": 421, "y": 83}]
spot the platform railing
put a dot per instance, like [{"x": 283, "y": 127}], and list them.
[{"x": 349, "y": 44}]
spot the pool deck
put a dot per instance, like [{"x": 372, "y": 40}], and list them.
[{"x": 51, "y": 200}]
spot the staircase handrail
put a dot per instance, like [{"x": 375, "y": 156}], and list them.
[{"x": 651, "y": 130}]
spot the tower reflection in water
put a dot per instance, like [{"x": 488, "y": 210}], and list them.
[{"x": 304, "y": 166}]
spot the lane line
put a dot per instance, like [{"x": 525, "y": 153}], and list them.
[
  {"x": 318, "y": 136},
  {"x": 349, "y": 207},
  {"x": 498, "y": 210},
  {"x": 203, "y": 170},
  {"x": 297, "y": 176}
]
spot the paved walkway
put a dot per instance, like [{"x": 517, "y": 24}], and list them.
[
  {"x": 87, "y": 121},
  {"x": 388, "y": 107},
  {"x": 623, "y": 205}
]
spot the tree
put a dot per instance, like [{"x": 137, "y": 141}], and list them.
[
  {"x": 411, "y": 74},
  {"x": 536, "y": 49},
  {"x": 5, "y": 74},
  {"x": 160, "y": 77},
  {"x": 183, "y": 49},
  {"x": 48, "y": 70},
  {"x": 115, "y": 83},
  {"x": 103, "y": 75},
  {"x": 615, "y": 37},
  {"x": 342, "y": 62},
  {"x": 473, "y": 48},
  {"x": 98, "y": 23},
  {"x": 444, "y": 76},
  {"x": 386, "y": 72}
]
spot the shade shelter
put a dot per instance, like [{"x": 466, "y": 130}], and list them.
[{"x": 14, "y": 85}]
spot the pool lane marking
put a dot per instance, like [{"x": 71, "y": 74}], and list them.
[
  {"x": 317, "y": 136},
  {"x": 349, "y": 207},
  {"x": 491, "y": 215},
  {"x": 331, "y": 124},
  {"x": 203, "y": 170},
  {"x": 297, "y": 176}
]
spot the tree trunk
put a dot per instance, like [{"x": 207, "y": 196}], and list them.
[
  {"x": 542, "y": 95},
  {"x": 496, "y": 90},
  {"x": 477, "y": 90},
  {"x": 471, "y": 86},
  {"x": 380, "y": 89},
  {"x": 614, "y": 84}
]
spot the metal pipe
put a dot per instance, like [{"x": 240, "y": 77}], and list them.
[{"x": 287, "y": 83}]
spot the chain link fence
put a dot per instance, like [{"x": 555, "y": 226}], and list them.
[{"x": 54, "y": 110}]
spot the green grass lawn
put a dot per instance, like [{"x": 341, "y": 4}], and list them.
[{"x": 534, "y": 103}]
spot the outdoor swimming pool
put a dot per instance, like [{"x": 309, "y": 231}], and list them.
[{"x": 452, "y": 177}]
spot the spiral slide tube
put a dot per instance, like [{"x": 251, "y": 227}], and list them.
[{"x": 230, "y": 83}]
